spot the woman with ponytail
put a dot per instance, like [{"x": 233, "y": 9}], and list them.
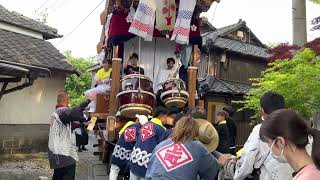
[{"x": 288, "y": 135}]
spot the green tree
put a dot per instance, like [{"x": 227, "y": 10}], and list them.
[
  {"x": 77, "y": 85},
  {"x": 297, "y": 79},
  {"x": 315, "y": 1}
]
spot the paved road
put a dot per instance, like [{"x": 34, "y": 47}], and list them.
[{"x": 89, "y": 166}]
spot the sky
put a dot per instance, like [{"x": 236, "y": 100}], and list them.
[{"x": 270, "y": 20}]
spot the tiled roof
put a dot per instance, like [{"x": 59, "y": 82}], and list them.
[
  {"x": 237, "y": 46},
  {"x": 27, "y": 50},
  {"x": 214, "y": 85},
  {"x": 19, "y": 20},
  {"x": 224, "y": 30},
  {"x": 218, "y": 39}
]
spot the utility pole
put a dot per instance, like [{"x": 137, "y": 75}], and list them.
[{"x": 299, "y": 22}]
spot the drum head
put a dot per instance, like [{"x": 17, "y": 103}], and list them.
[
  {"x": 178, "y": 102},
  {"x": 131, "y": 110},
  {"x": 137, "y": 76}
]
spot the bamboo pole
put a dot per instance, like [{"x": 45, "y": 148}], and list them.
[
  {"x": 192, "y": 78},
  {"x": 115, "y": 83}
]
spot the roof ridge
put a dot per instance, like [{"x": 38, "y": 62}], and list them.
[
  {"x": 20, "y": 20},
  {"x": 226, "y": 29}
]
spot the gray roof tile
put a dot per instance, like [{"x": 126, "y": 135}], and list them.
[
  {"x": 214, "y": 85},
  {"x": 218, "y": 39},
  {"x": 27, "y": 50},
  {"x": 17, "y": 19}
]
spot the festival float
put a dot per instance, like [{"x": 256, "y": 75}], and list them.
[{"x": 155, "y": 30}]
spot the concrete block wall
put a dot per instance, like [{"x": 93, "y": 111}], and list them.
[{"x": 23, "y": 138}]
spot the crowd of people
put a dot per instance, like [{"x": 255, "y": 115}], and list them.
[{"x": 182, "y": 144}]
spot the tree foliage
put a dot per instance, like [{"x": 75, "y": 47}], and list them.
[
  {"x": 285, "y": 51},
  {"x": 297, "y": 79},
  {"x": 315, "y": 1},
  {"x": 316, "y": 21},
  {"x": 282, "y": 51},
  {"x": 77, "y": 85}
]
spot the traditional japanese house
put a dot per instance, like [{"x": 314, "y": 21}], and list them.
[
  {"x": 32, "y": 72},
  {"x": 231, "y": 55}
]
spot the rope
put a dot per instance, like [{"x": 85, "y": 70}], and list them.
[
  {"x": 139, "y": 63},
  {"x": 154, "y": 56}
]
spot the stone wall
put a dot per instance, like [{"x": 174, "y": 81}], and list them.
[{"x": 23, "y": 138}]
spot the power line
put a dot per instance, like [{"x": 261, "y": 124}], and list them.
[
  {"x": 214, "y": 13},
  {"x": 59, "y": 6},
  {"x": 52, "y": 4},
  {"x": 68, "y": 34},
  {"x": 41, "y": 6}
]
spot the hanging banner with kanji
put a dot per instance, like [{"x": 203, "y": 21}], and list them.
[{"x": 165, "y": 15}]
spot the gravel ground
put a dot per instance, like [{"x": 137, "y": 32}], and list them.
[
  {"x": 33, "y": 166},
  {"x": 25, "y": 170}
]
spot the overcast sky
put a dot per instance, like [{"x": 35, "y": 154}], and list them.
[{"x": 270, "y": 20}]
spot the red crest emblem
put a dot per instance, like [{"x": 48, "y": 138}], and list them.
[
  {"x": 130, "y": 135},
  {"x": 173, "y": 156},
  {"x": 147, "y": 131}
]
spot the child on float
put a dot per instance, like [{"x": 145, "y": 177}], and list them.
[
  {"x": 102, "y": 84},
  {"x": 123, "y": 148},
  {"x": 149, "y": 137}
]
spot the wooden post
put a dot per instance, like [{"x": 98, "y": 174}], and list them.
[
  {"x": 192, "y": 78},
  {"x": 115, "y": 83}
]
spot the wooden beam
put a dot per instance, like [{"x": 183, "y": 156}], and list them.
[
  {"x": 115, "y": 83},
  {"x": 192, "y": 78},
  {"x": 16, "y": 79}
]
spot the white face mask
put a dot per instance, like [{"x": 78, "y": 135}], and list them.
[{"x": 281, "y": 158}]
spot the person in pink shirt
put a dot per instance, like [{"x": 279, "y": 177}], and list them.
[{"x": 288, "y": 135}]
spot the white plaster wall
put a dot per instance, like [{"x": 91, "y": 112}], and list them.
[{"x": 34, "y": 104}]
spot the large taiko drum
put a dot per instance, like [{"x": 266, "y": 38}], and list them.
[
  {"x": 136, "y": 95},
  {"x": 174, "y": 93}
]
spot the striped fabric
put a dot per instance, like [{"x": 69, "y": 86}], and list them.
[
  {"x": 182, "y": 27},
  {"x": 143, "y": 20}
]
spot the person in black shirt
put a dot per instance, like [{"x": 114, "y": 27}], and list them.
[
  {"x": 223, "y": 132},
  {"x": 133, "y": 68},
  {"x": 232, "y": 129}
]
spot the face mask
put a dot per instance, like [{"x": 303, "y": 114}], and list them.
[{"x": 281, "y": 158}]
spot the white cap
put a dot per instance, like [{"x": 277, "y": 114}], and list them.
[{"x": 142, "y": 119}]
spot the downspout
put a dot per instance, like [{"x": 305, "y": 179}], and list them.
[{"x": 4, "y": 86}]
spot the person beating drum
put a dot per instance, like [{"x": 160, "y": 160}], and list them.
[
  {"x": 163, "y": 75},
  {"x": 133, "y": 68}
]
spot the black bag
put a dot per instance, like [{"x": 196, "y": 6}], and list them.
[
  {"x": 83, "y": 138},
  {"x": 255, "y": 175}
]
